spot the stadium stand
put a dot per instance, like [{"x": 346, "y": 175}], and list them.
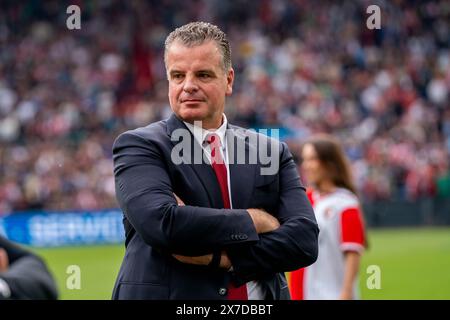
[{"x": 300, "y": 66}]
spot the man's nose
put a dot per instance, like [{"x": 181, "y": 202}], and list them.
[{"x": 190, "y": 84}]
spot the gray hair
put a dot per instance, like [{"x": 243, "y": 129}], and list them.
[{"x": 196, "y": 33}]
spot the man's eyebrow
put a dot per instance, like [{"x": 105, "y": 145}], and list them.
[
  {"x": 175, "y": 71},
  {"x": 205, "y": 70},
  {"x": 208, "y": 71}
]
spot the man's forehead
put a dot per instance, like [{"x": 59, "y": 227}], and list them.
[{"x": 203, "y": 55}]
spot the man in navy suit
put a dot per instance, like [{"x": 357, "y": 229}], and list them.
[{"x": 203, "y": 218}]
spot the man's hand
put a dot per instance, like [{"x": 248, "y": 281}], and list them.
[
  {"x": 263, "y": 221},
  {"x": 4, "y": 261},
  {"x": 225, "y": 262},
  {"x": 198, "y": 260},
  {"x": 179, "y": 201}
]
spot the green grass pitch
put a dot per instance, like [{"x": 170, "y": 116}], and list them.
[{"x": 414, "y": 263}]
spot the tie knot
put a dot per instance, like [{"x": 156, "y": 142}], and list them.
[{"x": 213, "y": 139}]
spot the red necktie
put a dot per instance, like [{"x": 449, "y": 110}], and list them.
[{"x": 220, "y": 169}]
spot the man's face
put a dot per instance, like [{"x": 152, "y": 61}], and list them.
[{"x": 197, "y": 83}]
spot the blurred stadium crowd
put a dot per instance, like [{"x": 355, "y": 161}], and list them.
[{"x": 304, "y": 66}]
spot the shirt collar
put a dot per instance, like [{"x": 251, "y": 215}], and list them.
[{"x": 200, "y": 133}]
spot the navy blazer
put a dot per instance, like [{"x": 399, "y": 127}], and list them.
[{"x": 156, "y": 227}]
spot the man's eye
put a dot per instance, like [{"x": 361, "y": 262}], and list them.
[
  {"x": 204, "y": 75},
  {"x": 177, "y": 76}
]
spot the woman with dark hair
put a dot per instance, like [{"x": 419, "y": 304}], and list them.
[{"x": 342, "y": 237}]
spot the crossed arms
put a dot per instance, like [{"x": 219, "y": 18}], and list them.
[
  {"x": 263, "y": 222},
  {"x": 145, "y": 194}
]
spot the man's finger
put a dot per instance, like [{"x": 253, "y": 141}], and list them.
[
  {"x": 178, "y": 257},
  {"x": 4, "y": 261},
  {"x": 185, "y": 259},
  {"x": 179, "y": 201},
  {"x": 199, "y": 260}
]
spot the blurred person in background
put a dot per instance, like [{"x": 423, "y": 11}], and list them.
[
  {"x": 342, "y": 237},
  {"x": 24, "y": 275}
]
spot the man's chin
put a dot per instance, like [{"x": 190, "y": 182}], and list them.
[
  {"x": 191, "y": 117},
  {"x": 202, "y": 115}
]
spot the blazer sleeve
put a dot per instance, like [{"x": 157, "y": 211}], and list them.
[
  {"x": 293, "y": 245},
  {"x": 145, "y": 194},
  {"x": 27, "y": 276}
]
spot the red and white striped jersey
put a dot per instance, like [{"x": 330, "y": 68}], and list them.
[{"x": 341, "y": 229}]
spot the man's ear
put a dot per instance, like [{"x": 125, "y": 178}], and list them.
[{"x": 230, "y": 80}]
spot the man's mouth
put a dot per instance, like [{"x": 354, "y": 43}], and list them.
[{"x": 191, "y": 100}]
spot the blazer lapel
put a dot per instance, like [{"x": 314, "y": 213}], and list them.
[{"x": 203, "y": 170}]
